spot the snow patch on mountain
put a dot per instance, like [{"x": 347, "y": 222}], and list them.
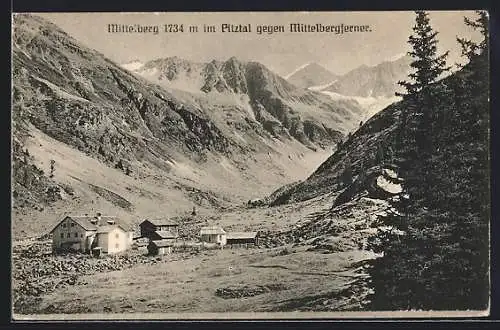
[
  {"x": 397, "y": 57},
  {"x": 321, "y": 87},
  {"x": 297, "y": 70},
  {"x": 393, "y": 188},
  {"x": 372, "y": 105},
  {"x": 133, "y": 65}
]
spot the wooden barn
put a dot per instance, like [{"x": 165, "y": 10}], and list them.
[
  {"x": 163, "y": 235},
  {"x": 160, "y": 247},
  {"x": 155, "y": 229},
  {"x": 242, "y": 239}
]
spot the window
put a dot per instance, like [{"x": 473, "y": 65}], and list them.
[
  {"x": 69, "y": 235},
  {"x": 117, "y": 245},
  {"x": 76, "y": 234},
  {"x": 72, "y": 224},
  {"x": 117, "y": 235},
  {"x": 62, "y": 235},
  {"x": 81, "y": 235},
  {"x": 64, "y": 225}
]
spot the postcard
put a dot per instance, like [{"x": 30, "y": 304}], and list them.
[{"x": 250, "y": 165}]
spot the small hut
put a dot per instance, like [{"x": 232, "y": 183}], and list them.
[
  {"x": 242, "y": 239},
  {"x": 160, "y": 247}
]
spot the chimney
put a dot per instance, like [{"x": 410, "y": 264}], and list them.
[{"x": 97, "y": 219}]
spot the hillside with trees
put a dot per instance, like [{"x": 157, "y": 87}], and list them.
[
  {"x": 442, "y": 260},
  {"x": 431, "y": 150}
]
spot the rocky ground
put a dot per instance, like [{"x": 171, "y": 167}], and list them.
[{"x": 36, "y": 271}]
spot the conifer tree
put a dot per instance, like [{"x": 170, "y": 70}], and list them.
[
  {"x": 477, "y": 53},
  {"x": 427, "y": 67},
  {"x": 472, "y": 49},
  {"x": 427, "y": 64},
  {"x": 441, "y": 261}
]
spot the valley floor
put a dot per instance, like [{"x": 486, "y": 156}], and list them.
[
  {"x": 232, "y": 280},
  {"x": 274, "y": 277}
]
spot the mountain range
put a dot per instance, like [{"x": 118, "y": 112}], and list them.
[
  {"x": 237, "y": 131},
  {"x": 272, "y": 100},
  {"x": 378, "y": 81}
]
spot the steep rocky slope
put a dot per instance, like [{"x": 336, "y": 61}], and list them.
[
  {"x": 78, "y": 96},
  {"x": 358, "y": 155}
]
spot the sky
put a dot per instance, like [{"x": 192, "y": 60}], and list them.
[{"x": 280, "y": 52}]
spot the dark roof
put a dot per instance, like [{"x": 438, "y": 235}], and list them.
[
  {"x": 86, "y": 222},
  {"x": 242, "y": 235},
  {"x": 162, "y": 222},
  {"x": 165, "y": 234},
  {"x": 162, "y": 243}
]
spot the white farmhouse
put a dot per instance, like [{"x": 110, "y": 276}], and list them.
[
  {"x": 213, "y": 234},
  {"x": 84, "y": 233}
]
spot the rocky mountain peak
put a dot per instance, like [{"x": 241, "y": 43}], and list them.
[{"x": 311, "y": 74}]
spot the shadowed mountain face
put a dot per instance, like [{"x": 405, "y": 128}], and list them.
[
  {"x": 76, "y": 95},
  {"x": 280, "y": 107},
  {"x": 311, "y": 75},
  {"x": 93, "y": 108},
  {"x": 377, "y": 81},
  {"x": 358, "y": 155}
]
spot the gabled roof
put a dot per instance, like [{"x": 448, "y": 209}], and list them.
[
  {"x": 162, "y": 222},
  {"x": 212, "y": 230},
  {"x": 86, "y": 222},
  {"x": 162, "y": 243},
  {"x": 83, "y": 221},
  {"x": 242, "y": 235},
  {"x": 164, "y": 234},
  {"x": 108, "y": 228}
]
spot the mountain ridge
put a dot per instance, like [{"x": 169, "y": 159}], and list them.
[
  {"x": 379, "y": 80},
  {"x": 278, "y": 105},
  {"x": 311, "y": 74}
]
